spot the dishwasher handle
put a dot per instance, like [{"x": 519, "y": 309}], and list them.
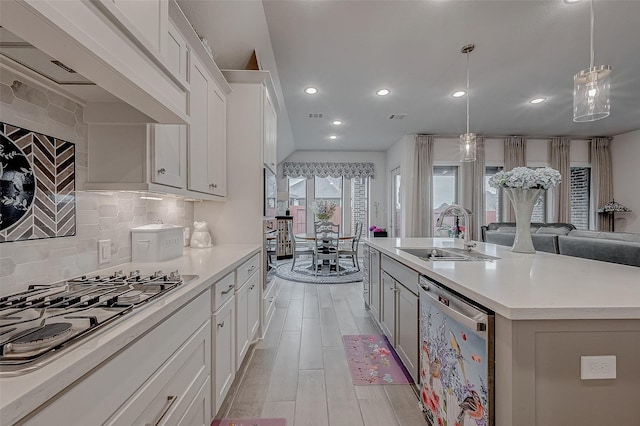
[{"x": 463, "y": 319}]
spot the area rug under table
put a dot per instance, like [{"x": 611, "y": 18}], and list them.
[
  {"x": 249, "y": 422},
  {"x": 372, "y": 361},
  {"x": 303, "y": 272}
]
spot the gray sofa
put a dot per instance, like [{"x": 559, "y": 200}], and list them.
[
  {"x": 543, "y": 235},
  {"x": 616, "y": 247},
  {"x": 565, "y": 239}
]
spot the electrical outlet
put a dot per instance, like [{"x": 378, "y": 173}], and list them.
[
  {"x": 104, "y": 251},
  {"x": 598, "y": 367}
]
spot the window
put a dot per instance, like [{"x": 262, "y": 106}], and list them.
[
  {"x": 579, "y": 196},
  {"x": 330, "y": 189},
  {"x": 493, "y": 197},
  {"x": 445, "y": 191},
  {"x": 396, "y": 207},
  {"x": 297, "y": 204}
]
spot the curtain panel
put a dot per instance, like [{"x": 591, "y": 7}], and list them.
[
  {"x": 561, "y": 194},
  {"x": 323, "y": 170},
  {"x": 601, "y": 182},
  {"x": 420, "y": 216},
  {"x": 515, "y": 155},
  {"x": 478, "y": 191}
]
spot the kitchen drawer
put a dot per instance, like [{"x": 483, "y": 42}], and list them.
[
  {"x": 244, "y": 271},
  {"x": 121, "y": 376},
  {"x": 165, "y": 398},
  {"x": 199, "y": 412},
  {"x": 408, "y": 277},
  {"x": 223, "y": 290}
]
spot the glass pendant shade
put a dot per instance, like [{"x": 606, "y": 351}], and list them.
[
  {"x": 468, "y": 147},
  {"x": 591, "y": 94}
]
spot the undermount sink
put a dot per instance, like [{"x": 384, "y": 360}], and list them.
[{"x": 434, "y": 254}]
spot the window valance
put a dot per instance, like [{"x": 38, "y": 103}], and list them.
[{"x": 346, "y": 170}]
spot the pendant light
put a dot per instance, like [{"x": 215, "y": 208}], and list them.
[
  {"x": 591, "y": 90},
  {"x": 468, "y": 140}
]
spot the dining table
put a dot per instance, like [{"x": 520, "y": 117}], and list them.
[{"x": 312, "y": 237}]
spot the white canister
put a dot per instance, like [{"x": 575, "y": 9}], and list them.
[{"x": 156, "y": 242}]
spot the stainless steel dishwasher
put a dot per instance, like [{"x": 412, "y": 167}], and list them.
[{"x": 456, "y": 358}]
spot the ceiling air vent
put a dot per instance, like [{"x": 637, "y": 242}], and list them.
[
  {"x": 397, "y": 116},
  {"x": 316, "y": 115}
]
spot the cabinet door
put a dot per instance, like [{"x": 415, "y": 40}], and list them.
[
  {"x": 253, "y": 310},
  {"x": 176, "y": 52},
  {"x": 407, "y": 338},
  {"x": 199, "y": 128},
  {"x": 148, "y": 18},
  {"x": 199, "y": 412},
  {"x": 374, "y": 280},
  {"x": 270, "y": 133},
  {"x": 217, "y": 150},
  {"x": 169, "y": 155},
  {"x": 223, "y": 366},
  {"x": 242, "y": 327},
  {"x": 388, "y": 311}
]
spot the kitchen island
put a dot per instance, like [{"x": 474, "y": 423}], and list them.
[{"x": 549, "y": 311}]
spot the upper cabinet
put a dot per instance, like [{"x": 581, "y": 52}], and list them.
[
  {"x": 270, "y": 132},
  {"x": 207, "y": 133}
]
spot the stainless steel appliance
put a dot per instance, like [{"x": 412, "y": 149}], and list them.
[
  {"x": 456, "y": 358},
  {"x": 38, "y": 323}
]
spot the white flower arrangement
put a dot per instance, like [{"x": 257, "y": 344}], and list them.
[
  {"x": 526, "y": 178},
  {"x": 324, "y": 209}
]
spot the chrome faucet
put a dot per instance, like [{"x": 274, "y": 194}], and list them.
[{"x": 457, "y": 210}]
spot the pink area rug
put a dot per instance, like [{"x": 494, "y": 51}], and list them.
[
  {"x": 249, "y": 422},
  {"x": 372, "y": 361}
]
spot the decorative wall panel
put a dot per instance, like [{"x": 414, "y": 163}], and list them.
[{"x": 37, "y": 174}]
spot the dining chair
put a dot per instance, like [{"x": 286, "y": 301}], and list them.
[
  {"x": 353, "y": 250},
  {"x": 299, "y": 249},
  {"x": 327, "y": 237}
]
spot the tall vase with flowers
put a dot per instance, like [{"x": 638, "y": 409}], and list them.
[{"x": 523, "y": 187}]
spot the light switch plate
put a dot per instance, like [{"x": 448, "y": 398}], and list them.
[
  {"x": 598, "y": 367},
  {"x": 104, "y": 251}
]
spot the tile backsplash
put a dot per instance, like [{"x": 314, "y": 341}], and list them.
[{"x": 109, "y": 215}]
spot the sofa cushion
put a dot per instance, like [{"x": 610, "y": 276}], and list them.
[
  {"x": 554, "y": 230},
  {"x": 620, "y": 236},
  {"x": 607, "y": 250},
  {"x": 503, "y": 229},
  {"x": 583, "y": 233},
  {"x": 541, "y": 242}
]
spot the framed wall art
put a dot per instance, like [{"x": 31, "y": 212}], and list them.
[{"x": 38, "y": 180}]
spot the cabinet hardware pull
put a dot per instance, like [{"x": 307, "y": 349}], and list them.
[
  {"x": 165, "y": 409},
  {"x": 162, "y": 171},
  {"x": 221, "y": 324},
  {"x": 228, "y": 290},
  {"x": 213, "y": 185},
  {"x": 252, "y": 286},
  {"x": 252, "y": 268}
]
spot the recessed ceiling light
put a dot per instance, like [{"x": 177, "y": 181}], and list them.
[
  {"x": 459, "y": 94},
  {"x": 333, "y": 137},
  {"x": 310, "y": 90},
  {"x": 336, "y": 122},
  {"x": 537, "y": 100},
  {"x": 383, "y": 92}
]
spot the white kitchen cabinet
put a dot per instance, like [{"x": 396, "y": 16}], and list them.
[
  {"x": 388, "y": 310},
  {"x": 366, "y": 283},
  {"x": 207, "y": 133},
  {"x": 148, "y": 19},
  {"x": 137, "y": 157},
  {"x": 162, "y": 369},
  {"x": 270, "y": 133},
  {"x": 176, "y": 51},
  {"x": 224, "y": 350},
  {"x": 374, "y": 286},
  {"x": 247, "y": 315},
  {"x": 253, "y": 312},
  {"x": 407, "y": 326}
]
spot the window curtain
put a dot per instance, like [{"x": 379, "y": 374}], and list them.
[
  {"x": 601, "y": 182},
  {"x": 323, "y": 170},
  {"x": 561, "y": 194},
  {"x": 476, "y": 169},
  {"x": 418, "y": 216},
  {"x": 515, "y": 155}
]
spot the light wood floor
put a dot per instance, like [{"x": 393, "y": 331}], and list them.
[{"x": 299, "y": 371}]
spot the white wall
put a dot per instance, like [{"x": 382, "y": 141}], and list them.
[
  {"x": 625, "y": 157},
  {"x": 377, "y": 186}
]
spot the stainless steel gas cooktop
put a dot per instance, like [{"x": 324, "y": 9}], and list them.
[{"x": 41, "y": 321}]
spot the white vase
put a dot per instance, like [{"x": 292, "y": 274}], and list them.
[{"x": 523, "y": 201}]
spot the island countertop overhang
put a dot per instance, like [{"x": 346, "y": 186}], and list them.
[{"x": 519, "y": 286}]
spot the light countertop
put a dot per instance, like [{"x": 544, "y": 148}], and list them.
[
  {"x": 19, "y": 395},
  {"x": 529, "y": 286}
]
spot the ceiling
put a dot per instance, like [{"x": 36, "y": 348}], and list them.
[{"x": 348, "y": 49}]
